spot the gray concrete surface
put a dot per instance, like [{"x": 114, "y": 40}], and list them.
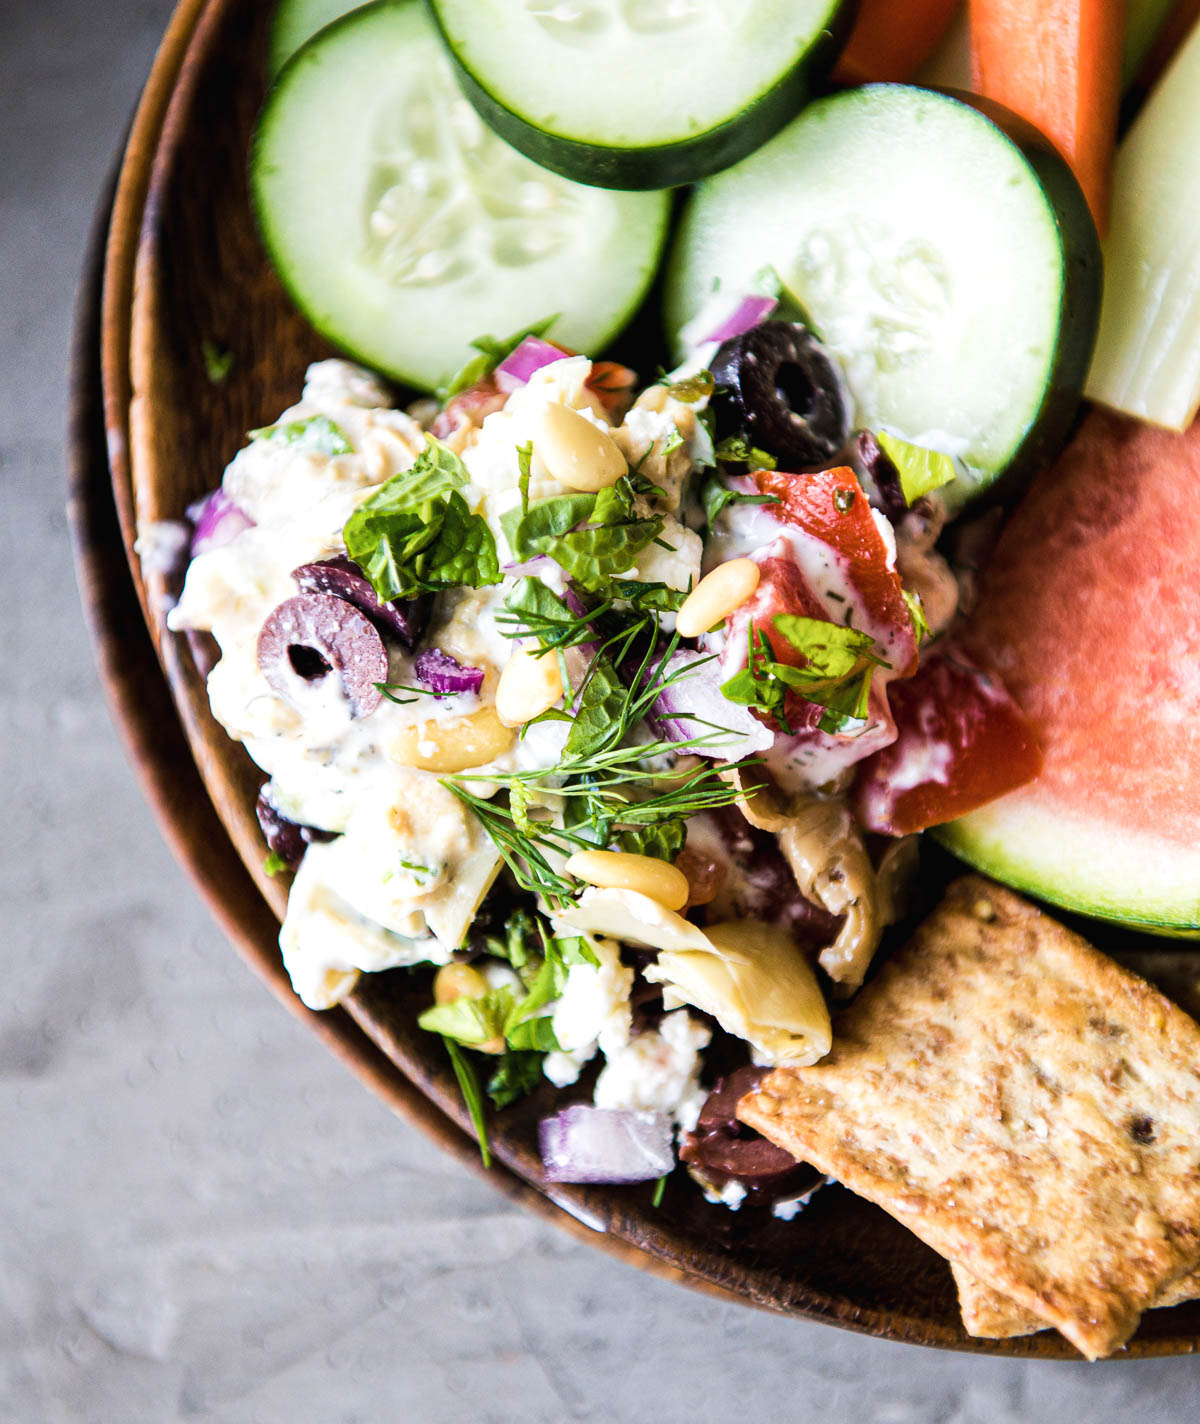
[{"x": 202, "y": 1215}]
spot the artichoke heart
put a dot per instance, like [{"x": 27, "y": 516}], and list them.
[{"x": 757, "y": 985}]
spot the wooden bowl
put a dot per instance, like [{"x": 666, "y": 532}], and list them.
[{"x": 184, "y": 265}]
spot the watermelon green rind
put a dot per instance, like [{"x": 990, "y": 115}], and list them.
[{"x": 1081, "y": 865}]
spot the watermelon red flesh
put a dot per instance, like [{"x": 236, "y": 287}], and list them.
[{"x": 1090, "y": 614}]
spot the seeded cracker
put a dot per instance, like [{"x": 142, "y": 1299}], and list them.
[
  {"x": 1024, "y": 1105},
  {"x": 991, "y": 1316}
]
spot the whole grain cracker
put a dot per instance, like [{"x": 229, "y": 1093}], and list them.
[
  {"x": 1027, "y": 1107},
  {"x": 988, "y": 1315}
]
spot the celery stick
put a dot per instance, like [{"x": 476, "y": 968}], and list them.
[{"x": 1147, "y": 360}]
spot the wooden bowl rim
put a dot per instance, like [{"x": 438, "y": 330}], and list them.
[{"x": 127, "y": 315}]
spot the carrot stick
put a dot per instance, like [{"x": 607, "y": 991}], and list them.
[
  {"x": 1057, "y": 63},
  {"x": 890, "y": 40}
]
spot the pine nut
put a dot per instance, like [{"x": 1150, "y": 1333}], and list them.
[
  {"x": 456, "y": 745},
  {"x": 716, "y": 596},
  {"x": 528, "y": 686},
  {"x": 577, "y": 453},
  {"x": 619, "y": 870},
  {"x": 458, "y": 981}
]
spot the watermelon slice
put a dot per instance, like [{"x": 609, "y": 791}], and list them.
[{"x": 1090, "y": 614}]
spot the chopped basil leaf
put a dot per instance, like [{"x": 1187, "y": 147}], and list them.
[
  {"x": 316, "y": 435},
  {"x": 417, "y": 534},
  {"x": 593, "y": 537},
  {"x": 471, "y": 1021},
  {"x": 468, "y": 1086},
  {"x": 604, "y": 696},
  {"x": 491, "y": 353},
  {"x": 217, "y": 362},
  {"x": 516, "y": 1077},
  {"x": 836, "y": 674},
  {"x": 920, "y": 470},
  {"x": 274, "y": 864}
]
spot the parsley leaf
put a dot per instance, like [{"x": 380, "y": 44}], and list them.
[
  {"x": 468, "y": 1086},
  {"x": 316, "y": 435},
  {"x": 663, "y": 841},
  {"x": 491, "y": 353},
  {"x": 920, "y": 470},
  {"x": 417, "y": 534},
  {"x": 518, "y": 1074}
]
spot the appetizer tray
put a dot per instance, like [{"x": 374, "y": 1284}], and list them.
[{"x": 176, "y": 262}]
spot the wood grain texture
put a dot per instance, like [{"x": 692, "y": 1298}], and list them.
[{"x": 201, "y": 274}]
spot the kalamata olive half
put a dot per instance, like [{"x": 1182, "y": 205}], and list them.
[
  {"x": 725, "y": 1150},
  {"x": 781, "y": 393},
  {"x": 314, "y": 637},
  {"x": 286, "y": 839},
  {"x": 405, "y": 619}
]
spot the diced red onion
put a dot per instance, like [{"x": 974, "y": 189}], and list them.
[
  {"x": 746, "y": 315},
  {"x": 528, "y": 568},
  {"x": 216, "y": 521},
  {"x": 587, "y": 1144},
  {"x": 694, "y": 706},
  {"x": 533, "y": 353},
  {"x": 446, "y": 675}
]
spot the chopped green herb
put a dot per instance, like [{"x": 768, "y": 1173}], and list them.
[
  {"x": 217, "y": 362},
  {"x": 516, "y": 1077},
  {"x": 690, "y": 389},
  {"x": 525, "y": 464},
  {"x": 468, "y": 1086},
  {"x": 663, "y": 841},
  {"x": 659, "y": 1188},
  {"x": 274, "y": 864},
  {"x": 673, "y": 442},
  {"x": 737, "y": 450},
  {"x": 491, "y": 353},
  {"x": 916, "y": 611},
  {"x": 921, "y": 471},
  {"x": 417, "y": 534},
  {"x": 316, "y": 435},
  {"x": 836, "y": 674},
  {"x": 594, "y": 537},
  {"x": 389, "y": 689},
  {"x": 416, "y": 869},
  {"x": 715, "y": 494}
]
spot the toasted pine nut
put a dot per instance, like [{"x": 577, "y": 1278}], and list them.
[
  {"x": 716, "y": 596},
  {"x": 528, "y": 686},
  {"x": 458, "y": 981},
  {"x": 577, "y": 453},
  {"x": 451, "y": 746},
  {"x": 618, "y": 870}
]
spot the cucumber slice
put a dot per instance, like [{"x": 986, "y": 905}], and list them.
[
  {"x": 941, "y": 249},
  {"x": 641, "y": 93},
  {"x": 294, "y": 24},
  {"x": 404, "y": 229}
]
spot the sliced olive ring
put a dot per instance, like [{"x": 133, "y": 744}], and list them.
[{"x": 778, "y": 389}]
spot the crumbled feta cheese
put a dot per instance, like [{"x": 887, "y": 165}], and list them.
[
  {"x": 658, "y": 1070},
  {"x": 592, "y": 1013}
]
